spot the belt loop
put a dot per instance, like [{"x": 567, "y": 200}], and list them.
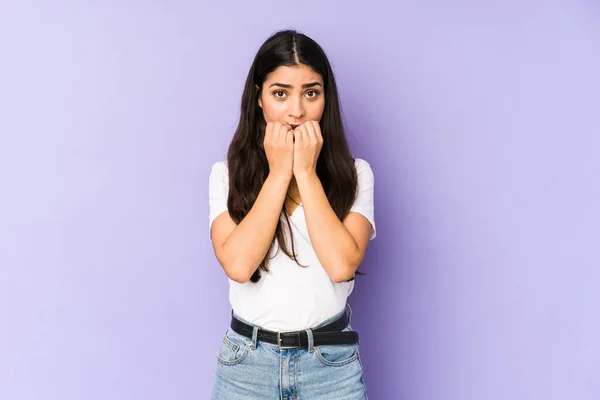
[
  {"x": 350, "y": 313},
  {"x": 254, "y": 337},
  {"x": 311, "y": 342}
]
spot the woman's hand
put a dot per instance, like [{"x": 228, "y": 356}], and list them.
[
  {"x": 307, "y": 146},
  {"x": 279, "y": 148}
]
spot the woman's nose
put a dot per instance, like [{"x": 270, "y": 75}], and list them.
[{"x": 296, "y": 110}]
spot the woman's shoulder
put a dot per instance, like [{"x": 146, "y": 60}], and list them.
[
  {"x": 219, "y": 168},
  {"x": 361, "y": 165}
]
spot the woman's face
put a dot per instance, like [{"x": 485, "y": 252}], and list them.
[{"x": 292, "y": 95}]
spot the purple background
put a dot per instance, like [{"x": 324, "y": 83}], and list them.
[{"x": 481, "y": 122}]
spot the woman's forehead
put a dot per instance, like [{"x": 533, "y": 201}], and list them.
[{"x": 297, "y": 74}]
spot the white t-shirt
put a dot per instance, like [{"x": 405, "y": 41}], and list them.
[{"x": 290, "y": 297}]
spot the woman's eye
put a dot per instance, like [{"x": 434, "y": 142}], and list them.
[
  {"x": 312, "y": 93},
  {"x": 279, "y": 94}
]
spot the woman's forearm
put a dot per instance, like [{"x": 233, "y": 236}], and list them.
[
  {"x": 335, "y": 247},
  {"x": 249, "y": 242}
]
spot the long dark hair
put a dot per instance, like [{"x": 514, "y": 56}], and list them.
[{"x": 246, "y": 158}]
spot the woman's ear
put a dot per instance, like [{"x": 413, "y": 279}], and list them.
[{"x": 258, "y": 96}]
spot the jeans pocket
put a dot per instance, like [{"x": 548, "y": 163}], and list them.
[
  {"x": 234, "y": 348},
  {"x": 336, "y": 355}
]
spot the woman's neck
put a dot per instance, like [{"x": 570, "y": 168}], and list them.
[{"x": 293, "y": 191}]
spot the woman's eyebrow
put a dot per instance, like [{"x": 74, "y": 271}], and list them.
[{"x": 306, "y": 85}]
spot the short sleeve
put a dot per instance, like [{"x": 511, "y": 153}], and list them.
[
  {"x": 218, "y": 189},
  {"x": 364, "y": 202}
]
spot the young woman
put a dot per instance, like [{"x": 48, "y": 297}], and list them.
[{"x": 291, "y": 215}]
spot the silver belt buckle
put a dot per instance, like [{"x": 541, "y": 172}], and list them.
[{"x": 287, "y": 347}]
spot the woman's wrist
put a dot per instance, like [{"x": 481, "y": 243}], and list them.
[
  {"x": 305, "y": 175},
  {"x": 280, "y": 177}
]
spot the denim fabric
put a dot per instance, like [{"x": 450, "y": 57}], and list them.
[{"x": 247, "y": 369}]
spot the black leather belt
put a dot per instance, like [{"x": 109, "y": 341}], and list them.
[{"x": 328, "y": 334}]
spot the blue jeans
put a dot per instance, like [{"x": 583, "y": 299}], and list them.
[{"x": 247, "y": 369}]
